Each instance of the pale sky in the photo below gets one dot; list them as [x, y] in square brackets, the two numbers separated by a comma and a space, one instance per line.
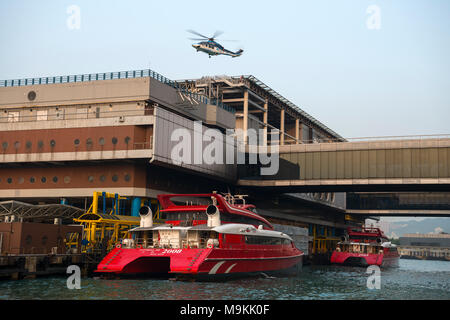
[362, 73]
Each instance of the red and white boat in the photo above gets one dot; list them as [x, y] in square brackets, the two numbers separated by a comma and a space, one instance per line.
[214, 239]
[368, 246]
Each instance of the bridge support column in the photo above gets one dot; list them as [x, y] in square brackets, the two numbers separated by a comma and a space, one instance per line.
[265, 115]
[245, 124]
[282, 127]
[300, 132]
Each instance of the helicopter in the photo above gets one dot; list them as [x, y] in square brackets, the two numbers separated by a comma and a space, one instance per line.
[211, 47]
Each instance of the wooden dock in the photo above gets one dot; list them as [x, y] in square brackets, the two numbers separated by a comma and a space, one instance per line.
[20, 266]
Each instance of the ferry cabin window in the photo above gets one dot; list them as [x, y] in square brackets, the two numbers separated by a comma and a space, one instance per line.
[363, 238]
[261, 240]
[230, 218]
[182, 216]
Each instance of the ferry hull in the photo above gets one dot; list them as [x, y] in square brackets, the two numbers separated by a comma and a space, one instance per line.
[364, 259]
[211, 263]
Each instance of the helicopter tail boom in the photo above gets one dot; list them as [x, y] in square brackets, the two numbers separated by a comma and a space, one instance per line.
[237, 53]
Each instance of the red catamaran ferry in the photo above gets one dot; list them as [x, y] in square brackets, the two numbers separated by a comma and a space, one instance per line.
[368, 246]
[214, 239]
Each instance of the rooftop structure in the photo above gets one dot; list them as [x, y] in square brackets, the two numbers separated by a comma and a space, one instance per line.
[260, 107]
[69, 136]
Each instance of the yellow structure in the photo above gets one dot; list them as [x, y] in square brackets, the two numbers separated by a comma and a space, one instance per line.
[102, 231]
[323, 243]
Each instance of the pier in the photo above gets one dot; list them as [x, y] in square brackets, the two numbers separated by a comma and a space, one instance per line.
[62, 138]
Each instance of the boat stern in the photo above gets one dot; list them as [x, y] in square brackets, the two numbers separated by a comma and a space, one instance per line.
[151, 261]
[356, 259]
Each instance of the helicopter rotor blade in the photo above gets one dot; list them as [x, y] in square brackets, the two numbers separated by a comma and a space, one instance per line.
[216, 34]
[198, 34]
[197, 39]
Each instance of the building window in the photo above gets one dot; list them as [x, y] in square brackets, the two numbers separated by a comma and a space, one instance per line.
[43, 179]
[31, 95]
[55, 179]
[82, 113]
[76, 142]
[13, 116]
[9, 180]
[102, 178]
[115, 178]
[91, 178]
[66, 179]
[42, 115]
[32, 179]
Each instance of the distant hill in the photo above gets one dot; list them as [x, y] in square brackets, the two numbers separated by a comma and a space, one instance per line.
[424, 226]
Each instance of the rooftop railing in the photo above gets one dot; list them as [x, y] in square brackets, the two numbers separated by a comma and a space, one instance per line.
[113, 76]
[406, 137]
[439, 137]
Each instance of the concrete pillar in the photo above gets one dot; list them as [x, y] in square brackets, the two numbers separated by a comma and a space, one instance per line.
[265, 116]
[282, 127]
[297, 125]
[245, 124]
[300, 132]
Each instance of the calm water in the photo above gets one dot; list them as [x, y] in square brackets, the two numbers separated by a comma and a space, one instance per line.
[414, 279]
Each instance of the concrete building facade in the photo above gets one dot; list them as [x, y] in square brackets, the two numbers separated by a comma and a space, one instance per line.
[69, 136]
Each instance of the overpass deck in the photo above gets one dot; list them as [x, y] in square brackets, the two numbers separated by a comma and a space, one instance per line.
[408, 163]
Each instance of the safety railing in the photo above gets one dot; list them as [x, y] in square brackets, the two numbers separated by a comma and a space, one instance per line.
[407, 137]
[149, 243]
[60, 114]
[86, 77]
[113, 76]
[374, 139]
[143, 145]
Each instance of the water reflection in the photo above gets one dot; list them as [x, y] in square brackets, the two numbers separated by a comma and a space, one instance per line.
[412, 280]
